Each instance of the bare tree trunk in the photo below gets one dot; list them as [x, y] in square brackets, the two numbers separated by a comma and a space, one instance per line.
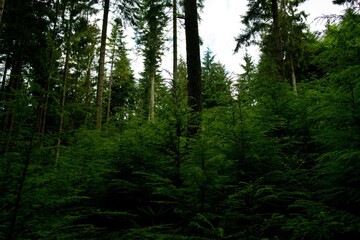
[100, 83]
[278, 39]
[193, 66]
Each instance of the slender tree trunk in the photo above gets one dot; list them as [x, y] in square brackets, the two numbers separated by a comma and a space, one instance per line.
[278, 39]
[193, 66]
[100, 83]
[2, 5]
[64, 87]
[175, 91]
[175, 60]
[293, 77]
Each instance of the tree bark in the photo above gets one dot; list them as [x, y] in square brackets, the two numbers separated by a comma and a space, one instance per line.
[193, 66]
[100, 83]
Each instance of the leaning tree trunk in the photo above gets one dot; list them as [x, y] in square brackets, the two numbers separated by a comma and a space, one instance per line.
[193, 66]
[100, 83]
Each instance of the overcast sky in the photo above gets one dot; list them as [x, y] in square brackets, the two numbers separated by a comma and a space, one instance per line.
[221, 23]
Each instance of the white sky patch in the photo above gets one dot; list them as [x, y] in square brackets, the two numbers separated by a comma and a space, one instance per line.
[220, 24]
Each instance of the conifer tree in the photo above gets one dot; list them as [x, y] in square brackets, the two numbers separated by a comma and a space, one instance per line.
[126, 8]
[151, 36]
[284, 17]
[121, 98]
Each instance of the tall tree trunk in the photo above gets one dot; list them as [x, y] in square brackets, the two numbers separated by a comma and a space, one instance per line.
[193, 66]
[2, 5]
[175, 91]
[64, 87]
[279, 52]
[100, 83]
[194, 81]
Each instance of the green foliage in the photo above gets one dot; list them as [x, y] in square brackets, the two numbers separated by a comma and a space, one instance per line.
[267, 164]
[315, 220]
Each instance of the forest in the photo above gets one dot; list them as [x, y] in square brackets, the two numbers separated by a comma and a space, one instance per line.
[90, 150]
